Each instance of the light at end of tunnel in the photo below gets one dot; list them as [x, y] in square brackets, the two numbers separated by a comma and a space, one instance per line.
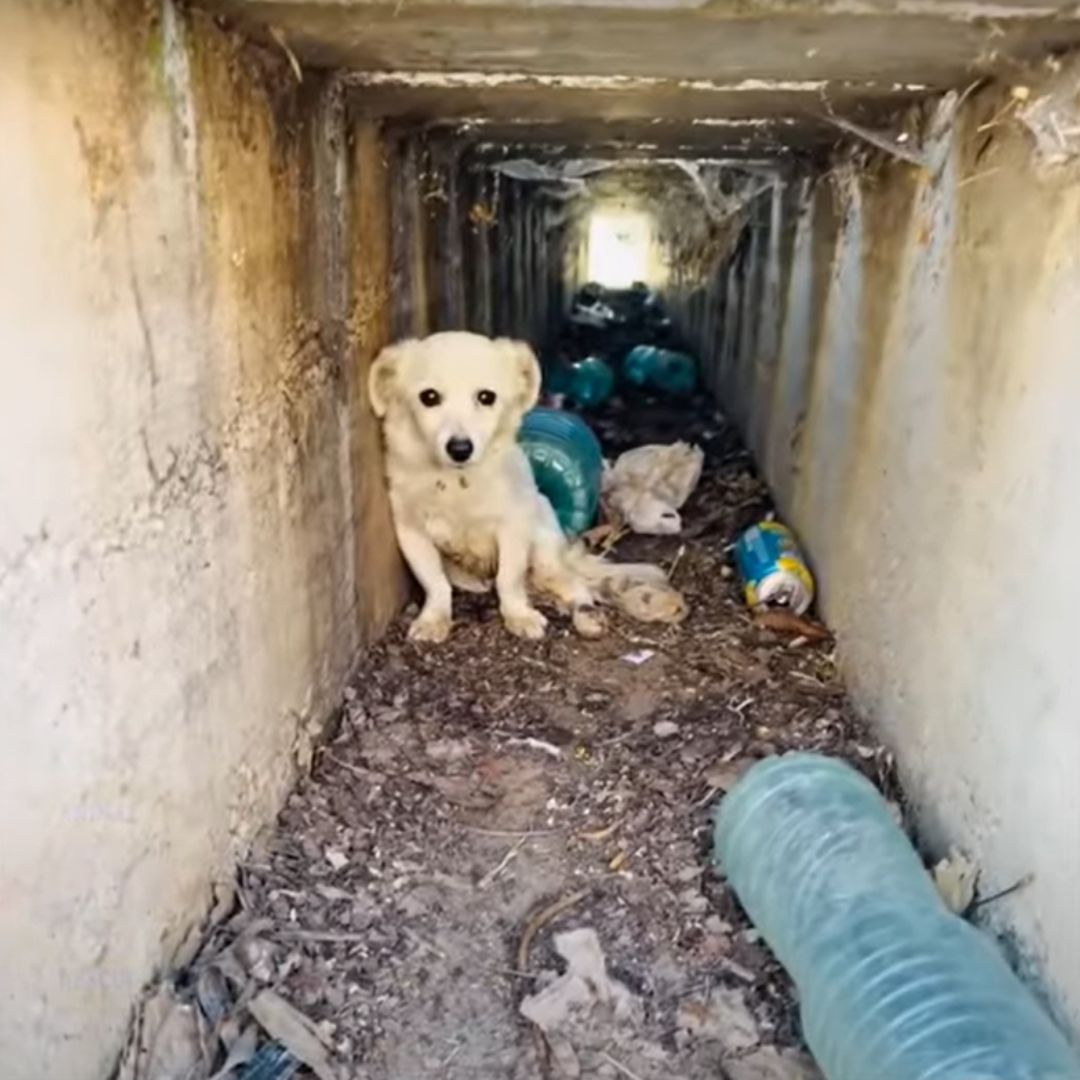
[620, 248]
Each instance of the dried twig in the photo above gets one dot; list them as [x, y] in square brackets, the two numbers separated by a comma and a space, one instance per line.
[612, 539]
[675, 562]
[536, 744]
[535, 924]
[1016, 886]
[511, 834]
[977, 176]
[898, 150]
[330, 936]
[538, 921]
[279, 36]
[619, 1066]
[503, 863]
[360, 774]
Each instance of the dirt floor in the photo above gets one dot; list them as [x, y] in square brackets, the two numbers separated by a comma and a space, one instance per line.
[481, 799]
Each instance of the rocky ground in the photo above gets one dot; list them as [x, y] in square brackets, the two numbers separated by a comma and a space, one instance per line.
[499, 865]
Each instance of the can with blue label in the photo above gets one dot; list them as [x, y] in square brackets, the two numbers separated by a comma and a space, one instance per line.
[772, 568]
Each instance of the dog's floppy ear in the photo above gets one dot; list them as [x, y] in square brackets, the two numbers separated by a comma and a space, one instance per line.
[528, 368]
[381, 377]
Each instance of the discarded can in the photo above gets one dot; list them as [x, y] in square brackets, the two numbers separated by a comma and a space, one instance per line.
[272, 1062]
[567, 464]
[772, 568]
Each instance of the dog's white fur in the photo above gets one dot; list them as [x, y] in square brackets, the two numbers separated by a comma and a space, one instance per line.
[468, 523]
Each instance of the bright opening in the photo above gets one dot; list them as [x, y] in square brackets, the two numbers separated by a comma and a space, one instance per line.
[619, 248]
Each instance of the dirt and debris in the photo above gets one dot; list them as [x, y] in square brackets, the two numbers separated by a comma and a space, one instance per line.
[497, 824]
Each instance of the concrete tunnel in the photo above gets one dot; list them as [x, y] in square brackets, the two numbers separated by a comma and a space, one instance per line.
[865, 219]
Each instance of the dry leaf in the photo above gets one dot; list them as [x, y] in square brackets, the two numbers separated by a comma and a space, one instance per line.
[600, 834]
[787, 622]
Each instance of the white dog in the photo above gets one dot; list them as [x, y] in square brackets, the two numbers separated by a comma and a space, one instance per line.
[466, 508]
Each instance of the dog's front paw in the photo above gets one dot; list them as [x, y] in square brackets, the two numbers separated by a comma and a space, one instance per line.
[430, 626]
[526, 624]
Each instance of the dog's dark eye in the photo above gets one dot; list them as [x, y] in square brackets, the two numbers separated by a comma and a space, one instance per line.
[430, 398]
[486, 397]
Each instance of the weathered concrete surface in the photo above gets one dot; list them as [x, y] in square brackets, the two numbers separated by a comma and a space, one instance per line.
[784, 115]
[917, 420]
[937, 43]
[179, 572]
[382, 576]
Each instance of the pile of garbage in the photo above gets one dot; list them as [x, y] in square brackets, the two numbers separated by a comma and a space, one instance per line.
[615, 345]
[636, 311]
[615, 340]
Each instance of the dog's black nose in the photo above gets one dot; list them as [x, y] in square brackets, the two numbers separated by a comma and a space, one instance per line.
[460, 450]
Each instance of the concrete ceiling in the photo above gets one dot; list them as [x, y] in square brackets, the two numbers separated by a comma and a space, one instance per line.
[738, 74]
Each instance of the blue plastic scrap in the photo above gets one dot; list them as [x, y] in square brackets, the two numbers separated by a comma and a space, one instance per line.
[272, 1062]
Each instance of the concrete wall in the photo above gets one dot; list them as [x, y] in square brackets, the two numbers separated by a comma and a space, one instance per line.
[493, 251]
[185, 459]
[916, 416]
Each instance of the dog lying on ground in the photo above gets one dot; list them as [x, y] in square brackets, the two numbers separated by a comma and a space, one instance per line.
[466, 508]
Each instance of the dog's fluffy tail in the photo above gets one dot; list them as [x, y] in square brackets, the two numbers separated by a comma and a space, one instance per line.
[640, 589]
[603, 575]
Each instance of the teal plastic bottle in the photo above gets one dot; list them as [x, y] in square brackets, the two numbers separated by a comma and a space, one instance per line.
[588, 383]
[892, 985]
[567, 463]
[665, 370]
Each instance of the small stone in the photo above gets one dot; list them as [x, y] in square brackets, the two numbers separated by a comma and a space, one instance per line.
[448, 750]
[715, 925]
[338, 860]
[665, 729]
[693, 902]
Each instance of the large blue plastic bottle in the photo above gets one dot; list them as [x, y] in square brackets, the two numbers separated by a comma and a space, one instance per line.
[892, 985]
[567, 463]
[587, 383]
[666, 370]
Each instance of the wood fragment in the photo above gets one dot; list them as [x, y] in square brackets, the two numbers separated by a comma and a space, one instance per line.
[294, 1031]
[1016, 886]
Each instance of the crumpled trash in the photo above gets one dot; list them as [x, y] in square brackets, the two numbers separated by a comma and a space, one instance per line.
[598, 315]
[956, 878]
[578, 1010]
[647, 485]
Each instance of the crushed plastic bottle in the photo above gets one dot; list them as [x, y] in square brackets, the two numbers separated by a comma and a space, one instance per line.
[892, 985]
[665, 370]
[773, 569]
[567, 463]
